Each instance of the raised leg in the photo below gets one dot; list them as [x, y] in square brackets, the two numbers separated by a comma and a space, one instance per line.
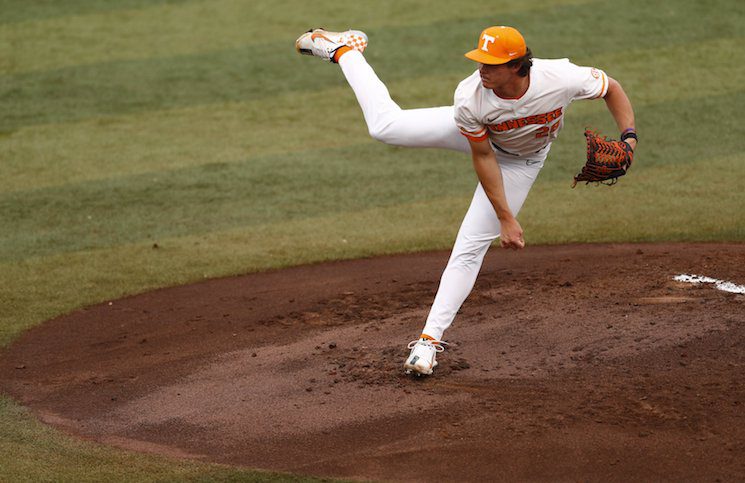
[387, 122]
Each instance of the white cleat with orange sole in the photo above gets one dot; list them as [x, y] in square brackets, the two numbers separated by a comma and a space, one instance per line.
[422, 360]
[323, 43]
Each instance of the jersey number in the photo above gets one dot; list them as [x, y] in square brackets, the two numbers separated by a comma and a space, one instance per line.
[543, 131]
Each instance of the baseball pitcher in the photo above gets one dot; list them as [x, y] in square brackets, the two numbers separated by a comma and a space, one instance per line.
[505, 115]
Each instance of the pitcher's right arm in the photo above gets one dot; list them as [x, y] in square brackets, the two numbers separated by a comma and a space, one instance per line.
[490, 175]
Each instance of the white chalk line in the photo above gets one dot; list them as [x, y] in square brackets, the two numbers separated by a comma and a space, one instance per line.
[719, 284]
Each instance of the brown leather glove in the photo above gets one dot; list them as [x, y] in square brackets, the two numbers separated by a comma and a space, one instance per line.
[607, 160]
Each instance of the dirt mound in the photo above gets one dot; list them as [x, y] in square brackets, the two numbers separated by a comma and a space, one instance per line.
[571, 362]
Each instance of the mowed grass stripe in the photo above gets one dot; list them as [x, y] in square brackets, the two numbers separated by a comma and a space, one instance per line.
[221, 195]
[172, 140]
[261, 190]
[187, 28]
[16, 11]
[43, 286]
[157, 141]
[263, 70]
[653, 75]
[675, 202]
[230, 132]
[689, 131]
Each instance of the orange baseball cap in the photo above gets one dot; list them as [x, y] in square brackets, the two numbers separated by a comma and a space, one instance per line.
[498, 45]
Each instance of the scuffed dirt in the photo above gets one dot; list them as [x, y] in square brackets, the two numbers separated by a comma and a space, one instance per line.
[579, 362]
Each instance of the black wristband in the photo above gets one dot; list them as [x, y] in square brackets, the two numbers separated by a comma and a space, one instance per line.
[629, 135]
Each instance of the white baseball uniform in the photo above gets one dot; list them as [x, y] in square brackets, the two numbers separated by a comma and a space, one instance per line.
[519, 130]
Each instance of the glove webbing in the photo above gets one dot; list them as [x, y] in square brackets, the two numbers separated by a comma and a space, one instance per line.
[607, 151]
[607, 160]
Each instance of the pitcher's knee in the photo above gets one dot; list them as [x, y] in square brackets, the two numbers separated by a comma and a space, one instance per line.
[468, 260]
[384, 126]
[380, 133]
[469, 256]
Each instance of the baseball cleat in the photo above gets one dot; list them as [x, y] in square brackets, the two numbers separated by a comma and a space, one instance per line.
[422, 361]
[323, 44]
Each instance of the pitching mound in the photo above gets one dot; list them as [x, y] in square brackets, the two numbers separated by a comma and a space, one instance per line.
[573, 362]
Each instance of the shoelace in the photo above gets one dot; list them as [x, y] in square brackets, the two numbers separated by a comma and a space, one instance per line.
[437, 344]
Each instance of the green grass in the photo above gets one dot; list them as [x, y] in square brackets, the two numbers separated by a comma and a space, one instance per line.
[194, 125]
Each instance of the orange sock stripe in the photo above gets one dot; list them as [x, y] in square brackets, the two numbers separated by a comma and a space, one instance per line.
[426, 337]
[340, 51]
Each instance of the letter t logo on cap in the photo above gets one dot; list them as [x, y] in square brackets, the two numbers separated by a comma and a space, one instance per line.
[487, 38]
[498, 45]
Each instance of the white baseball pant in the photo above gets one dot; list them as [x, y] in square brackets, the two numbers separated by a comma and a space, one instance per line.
[435, 128]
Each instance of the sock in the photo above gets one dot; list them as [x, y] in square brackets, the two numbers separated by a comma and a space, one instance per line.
[339, 52]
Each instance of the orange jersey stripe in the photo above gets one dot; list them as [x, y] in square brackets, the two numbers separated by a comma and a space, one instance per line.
[603, 92]
[479, 136]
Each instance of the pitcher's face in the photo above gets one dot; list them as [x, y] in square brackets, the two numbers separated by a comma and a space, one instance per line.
[496, 76]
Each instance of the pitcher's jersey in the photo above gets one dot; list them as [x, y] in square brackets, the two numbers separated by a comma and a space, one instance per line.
[526, 125]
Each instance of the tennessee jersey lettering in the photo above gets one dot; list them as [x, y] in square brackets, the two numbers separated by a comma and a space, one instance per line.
[529, 124]
[544, 118]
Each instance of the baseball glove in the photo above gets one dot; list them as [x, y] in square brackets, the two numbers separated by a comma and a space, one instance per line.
[607, 160]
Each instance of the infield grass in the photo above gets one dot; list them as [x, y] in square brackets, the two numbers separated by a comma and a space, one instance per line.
[193, 126]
